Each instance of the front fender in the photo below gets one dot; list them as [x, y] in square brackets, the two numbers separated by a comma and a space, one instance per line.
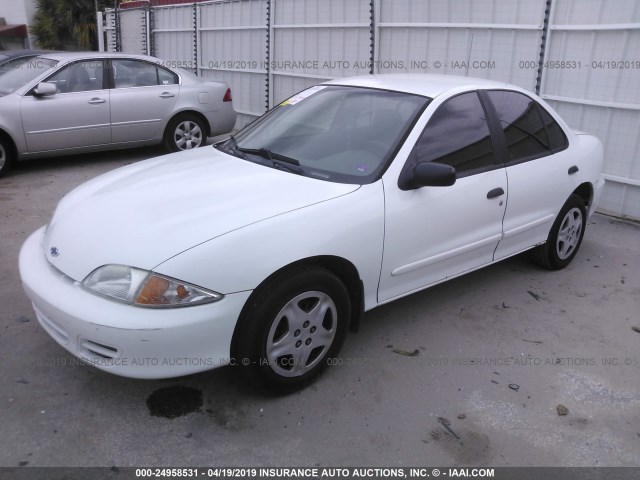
[350, 226]
[11, 122]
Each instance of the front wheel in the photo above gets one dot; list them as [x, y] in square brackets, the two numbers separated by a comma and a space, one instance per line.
[292, 328]
[184, 132]
[6, 157]
[565, 236]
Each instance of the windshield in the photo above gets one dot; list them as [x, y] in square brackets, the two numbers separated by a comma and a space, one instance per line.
[336, 133]
[15, 74]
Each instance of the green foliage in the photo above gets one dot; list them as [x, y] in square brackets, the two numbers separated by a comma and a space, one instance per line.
[63, 24]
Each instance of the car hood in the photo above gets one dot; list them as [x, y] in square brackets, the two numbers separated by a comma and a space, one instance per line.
[148, 212]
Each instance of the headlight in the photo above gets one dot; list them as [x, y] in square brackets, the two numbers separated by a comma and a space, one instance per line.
[145, 289]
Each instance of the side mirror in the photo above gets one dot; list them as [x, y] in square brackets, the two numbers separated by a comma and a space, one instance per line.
[427, 174]
[45, 89]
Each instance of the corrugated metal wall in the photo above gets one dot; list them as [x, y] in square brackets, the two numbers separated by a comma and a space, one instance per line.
[486, 38]
[232, 46]
[173, 37]
[583, 56]
[599, 91]
[110, 31]
[132, 29]
[316, 40]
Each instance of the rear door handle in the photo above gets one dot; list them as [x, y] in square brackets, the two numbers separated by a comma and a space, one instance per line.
[96, 101]
[573, 170]
[166, 95]
[496, 192]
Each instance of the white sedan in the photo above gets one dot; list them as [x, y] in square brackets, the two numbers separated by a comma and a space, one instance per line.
[265, 250]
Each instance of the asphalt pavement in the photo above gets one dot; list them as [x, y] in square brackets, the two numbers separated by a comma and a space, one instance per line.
[508, 366]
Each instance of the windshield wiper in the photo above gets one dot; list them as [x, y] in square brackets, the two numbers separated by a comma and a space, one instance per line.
[278, 160]
[231, 146]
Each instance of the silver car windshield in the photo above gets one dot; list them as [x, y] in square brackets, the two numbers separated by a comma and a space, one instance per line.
[336, 133]
[16, 73]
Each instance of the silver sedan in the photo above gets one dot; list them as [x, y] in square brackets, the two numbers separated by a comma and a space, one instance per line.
[66, 103]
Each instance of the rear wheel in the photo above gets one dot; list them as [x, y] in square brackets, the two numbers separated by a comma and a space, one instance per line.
[6, 157]
[184, 132]
[565, 236]
[292, 328]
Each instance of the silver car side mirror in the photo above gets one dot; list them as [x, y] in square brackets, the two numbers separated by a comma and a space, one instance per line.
[45, 89]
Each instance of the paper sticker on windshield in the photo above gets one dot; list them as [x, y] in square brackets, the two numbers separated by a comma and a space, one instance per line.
[302, 95]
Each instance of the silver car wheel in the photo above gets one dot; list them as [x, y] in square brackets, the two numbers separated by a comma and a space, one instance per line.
[569, 233]
[187, 135]
[301, 334]
[3, 156]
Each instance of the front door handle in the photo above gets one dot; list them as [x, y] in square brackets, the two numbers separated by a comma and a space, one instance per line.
[166, 95]
[96, 101]
[496, 192]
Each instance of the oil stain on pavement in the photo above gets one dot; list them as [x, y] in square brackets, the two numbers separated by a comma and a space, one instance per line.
[173, 402]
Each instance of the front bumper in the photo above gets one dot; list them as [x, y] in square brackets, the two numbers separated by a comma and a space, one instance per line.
[122, 339]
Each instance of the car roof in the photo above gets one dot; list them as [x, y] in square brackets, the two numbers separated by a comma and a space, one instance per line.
[425, 84]
[10, 54]
[70, 56]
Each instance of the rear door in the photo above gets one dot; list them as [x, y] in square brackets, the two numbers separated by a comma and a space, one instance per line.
[142, 99]
[539, 168]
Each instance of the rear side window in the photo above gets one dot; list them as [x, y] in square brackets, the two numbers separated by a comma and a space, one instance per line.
[530, 132]
[166, 77]
[458, 135]
[557, 139]
[137, 73]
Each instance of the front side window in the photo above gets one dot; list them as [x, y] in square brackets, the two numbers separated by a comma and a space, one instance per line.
[530, 132]
[23, 71]
[335, 133]
[135, 73]
[79, 77]
[458, 135]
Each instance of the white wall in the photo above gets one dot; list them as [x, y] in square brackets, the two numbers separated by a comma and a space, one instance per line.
[17, 12]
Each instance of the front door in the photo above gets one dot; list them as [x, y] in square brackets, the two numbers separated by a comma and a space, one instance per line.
[77, 116]
[432, 233]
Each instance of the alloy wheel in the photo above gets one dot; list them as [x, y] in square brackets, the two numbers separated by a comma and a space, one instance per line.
[569, 233]
[301, 334]
[187, 135]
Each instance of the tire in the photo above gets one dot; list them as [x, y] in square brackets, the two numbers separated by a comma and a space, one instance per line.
[292, 328]
[184, 132]
[565, 236]
[6, 157]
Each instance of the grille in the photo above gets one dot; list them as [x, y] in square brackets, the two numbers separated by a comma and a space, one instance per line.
[97, 350]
